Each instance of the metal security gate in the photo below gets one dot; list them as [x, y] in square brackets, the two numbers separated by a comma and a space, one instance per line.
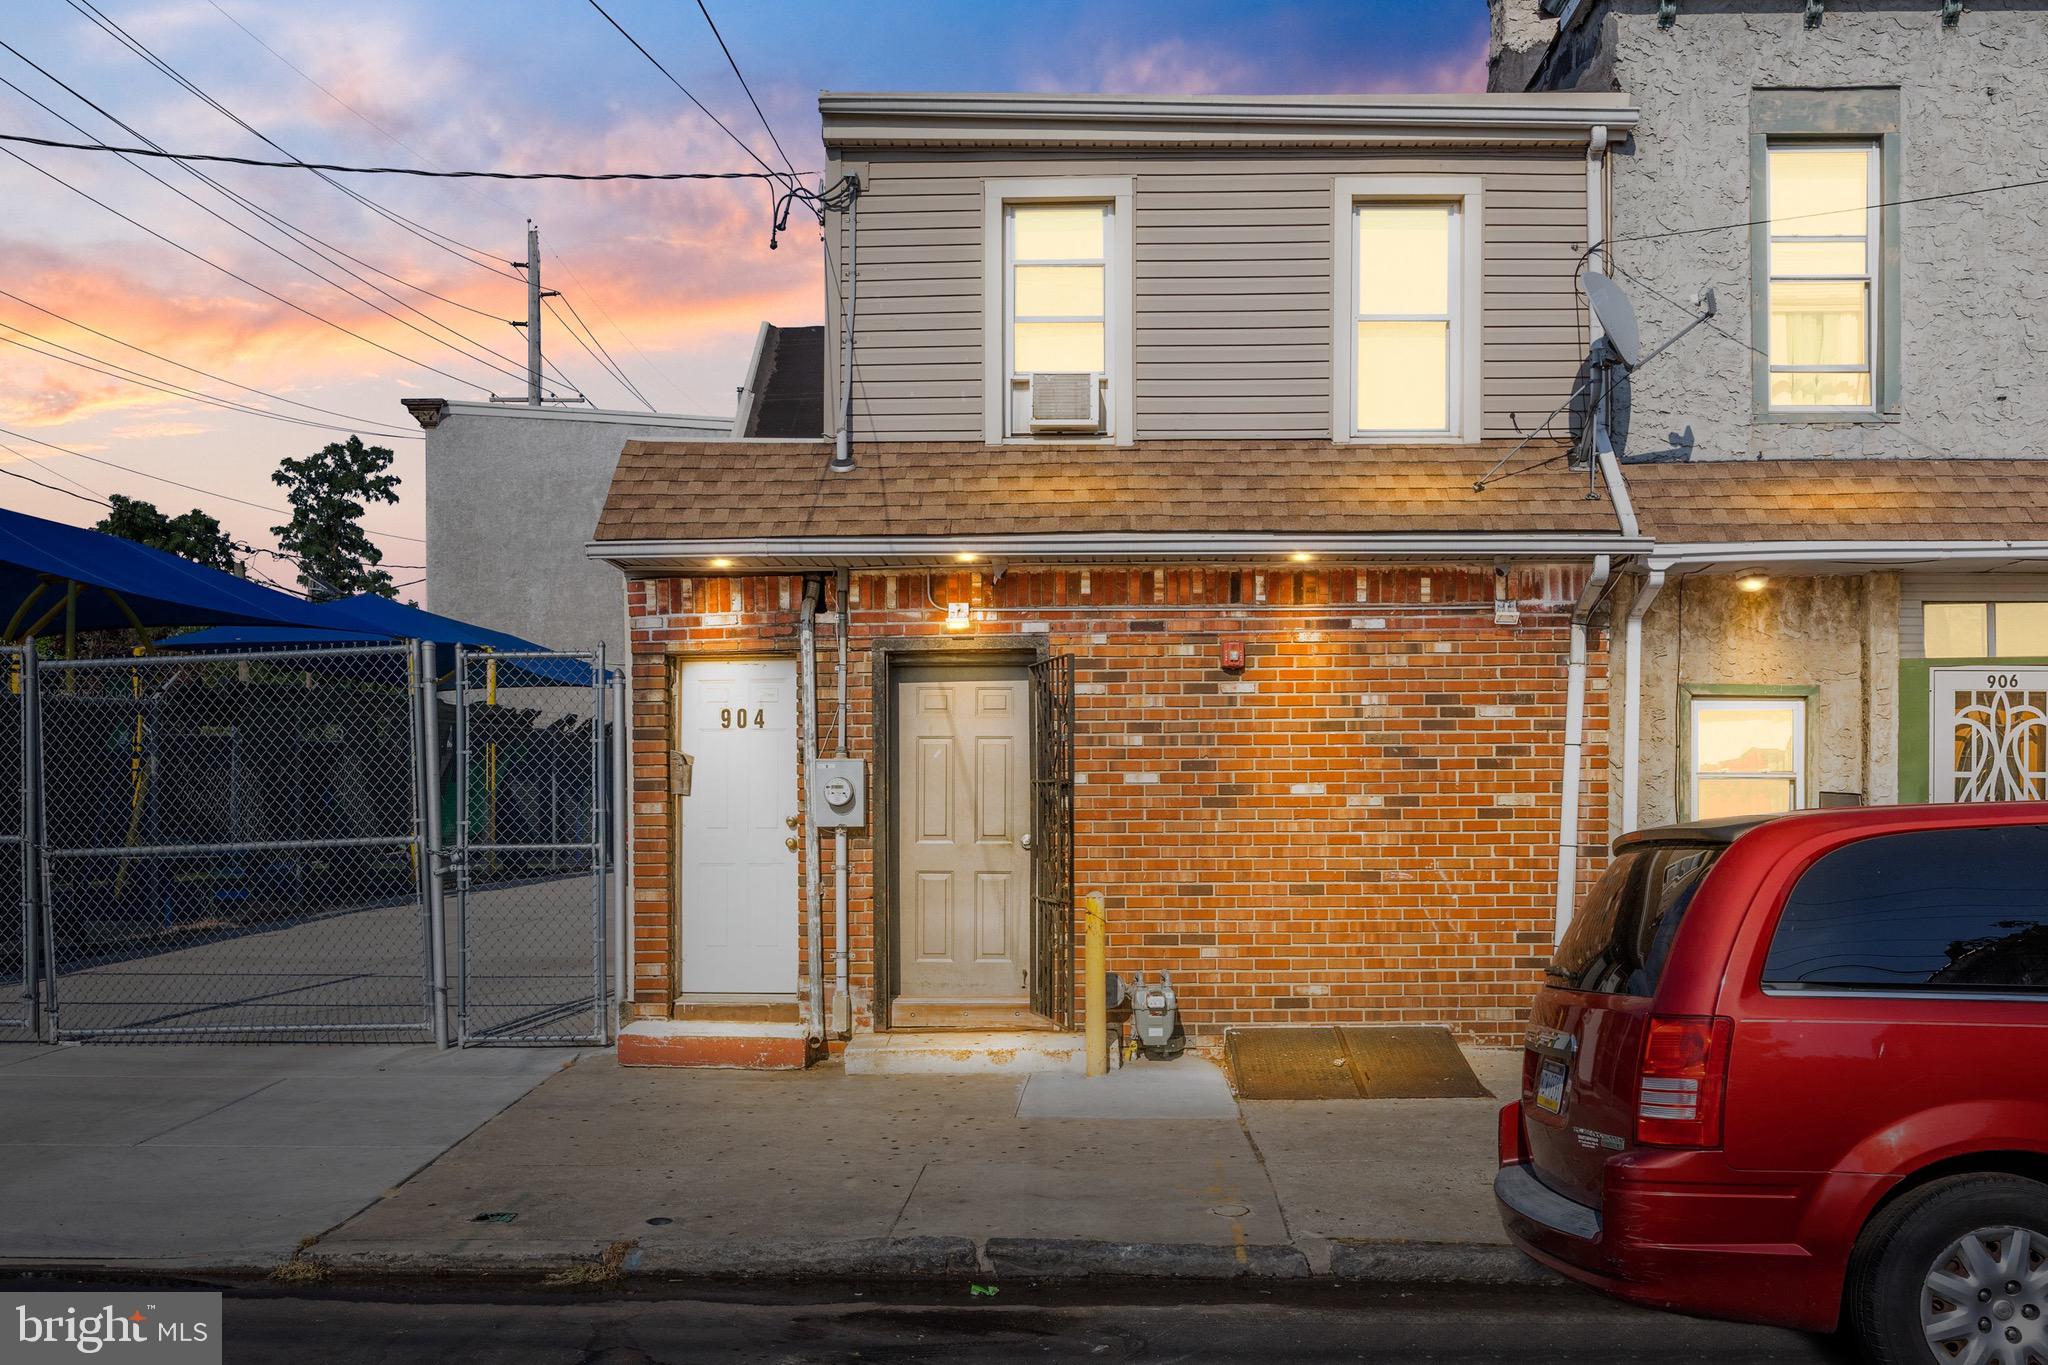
[232, 846]
[1052, 844]
[1989, 735]
[529, 847]
[17, 847]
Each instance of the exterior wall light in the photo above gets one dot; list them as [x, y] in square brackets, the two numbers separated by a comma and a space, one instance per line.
[1752, 581]
[958, 616]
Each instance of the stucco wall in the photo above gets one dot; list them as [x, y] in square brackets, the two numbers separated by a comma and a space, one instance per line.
[512, 498]
[1838, 633]
[1975, 290]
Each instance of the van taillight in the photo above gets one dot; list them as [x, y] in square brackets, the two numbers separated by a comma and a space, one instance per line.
[1681, 1082]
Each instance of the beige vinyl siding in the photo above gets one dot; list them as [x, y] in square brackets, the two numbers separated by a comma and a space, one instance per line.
[1917, 589]
[1231, 284]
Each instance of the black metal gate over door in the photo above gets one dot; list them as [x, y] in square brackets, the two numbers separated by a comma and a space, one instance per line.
[1052, 838]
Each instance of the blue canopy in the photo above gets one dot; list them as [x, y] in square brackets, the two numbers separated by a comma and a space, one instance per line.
[369, 619]
[116, 584]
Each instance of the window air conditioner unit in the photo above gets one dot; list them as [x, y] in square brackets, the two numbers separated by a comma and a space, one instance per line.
[1066, 401]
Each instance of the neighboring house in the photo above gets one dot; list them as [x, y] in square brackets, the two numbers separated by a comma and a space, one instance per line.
[512, 495]
[1858, 611]
[1160, 571]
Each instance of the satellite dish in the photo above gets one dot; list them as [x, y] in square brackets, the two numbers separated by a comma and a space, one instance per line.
[1616, 315]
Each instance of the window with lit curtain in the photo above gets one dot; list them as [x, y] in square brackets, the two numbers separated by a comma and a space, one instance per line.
[1748, 756]
[1404, 378]
[1058, 256]
[1823, 259]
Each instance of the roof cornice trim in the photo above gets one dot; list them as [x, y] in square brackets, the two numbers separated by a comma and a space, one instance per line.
[1875, 553]
[855, 119]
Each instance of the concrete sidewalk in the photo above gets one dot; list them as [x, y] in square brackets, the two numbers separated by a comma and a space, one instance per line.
[1154, 1171]
[223, 1157]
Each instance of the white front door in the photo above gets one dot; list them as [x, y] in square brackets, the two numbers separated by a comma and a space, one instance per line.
[1988, 728]
[736, 719]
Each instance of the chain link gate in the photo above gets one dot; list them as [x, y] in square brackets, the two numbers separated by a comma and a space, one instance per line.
[18, 924]
[530, 844]
[232, 848]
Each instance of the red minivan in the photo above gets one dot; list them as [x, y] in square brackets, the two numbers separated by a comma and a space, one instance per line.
[1795, 1071]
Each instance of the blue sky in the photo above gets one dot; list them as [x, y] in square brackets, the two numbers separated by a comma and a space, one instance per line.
[672, 278]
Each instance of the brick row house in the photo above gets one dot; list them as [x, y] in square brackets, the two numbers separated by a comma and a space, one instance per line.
[1210, 527]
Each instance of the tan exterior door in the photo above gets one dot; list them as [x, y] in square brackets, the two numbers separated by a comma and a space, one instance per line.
[963, 827]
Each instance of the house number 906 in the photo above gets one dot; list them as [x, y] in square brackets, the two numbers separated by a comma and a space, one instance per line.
[730, 718]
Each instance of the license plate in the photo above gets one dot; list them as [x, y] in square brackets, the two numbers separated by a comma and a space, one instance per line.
[1550, 1087]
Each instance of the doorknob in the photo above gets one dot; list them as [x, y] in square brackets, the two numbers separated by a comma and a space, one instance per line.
[790, 843]
[792, 821]
[1025, 842]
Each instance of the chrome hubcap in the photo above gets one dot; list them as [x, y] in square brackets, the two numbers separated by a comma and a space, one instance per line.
[1985, 1301]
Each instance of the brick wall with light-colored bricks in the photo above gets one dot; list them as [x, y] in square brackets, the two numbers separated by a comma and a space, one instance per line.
[1361, 826]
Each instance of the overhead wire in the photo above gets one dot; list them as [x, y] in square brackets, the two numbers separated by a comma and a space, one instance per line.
[363, 423]
[299, 237]
[730, 61]
[188, 487]
[609, 367]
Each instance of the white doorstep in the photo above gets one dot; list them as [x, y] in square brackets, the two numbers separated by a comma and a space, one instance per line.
[965, 1053]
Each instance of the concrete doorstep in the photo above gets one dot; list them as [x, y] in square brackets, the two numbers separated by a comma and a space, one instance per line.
[606, 1173]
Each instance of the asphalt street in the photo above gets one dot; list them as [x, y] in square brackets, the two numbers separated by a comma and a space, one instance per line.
[1018, 1323]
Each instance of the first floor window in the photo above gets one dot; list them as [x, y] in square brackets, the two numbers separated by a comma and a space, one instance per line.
[1748, 756]
[1405, 325]
[1821, 200]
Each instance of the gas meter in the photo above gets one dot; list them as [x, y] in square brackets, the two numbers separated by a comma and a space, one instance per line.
[1155, 1017]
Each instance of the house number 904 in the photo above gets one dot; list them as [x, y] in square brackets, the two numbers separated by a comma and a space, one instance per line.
[730, 718]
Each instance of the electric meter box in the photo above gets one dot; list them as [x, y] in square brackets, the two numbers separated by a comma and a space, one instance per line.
[839, 793]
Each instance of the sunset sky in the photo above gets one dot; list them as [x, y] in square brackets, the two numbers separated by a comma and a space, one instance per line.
[672, 277]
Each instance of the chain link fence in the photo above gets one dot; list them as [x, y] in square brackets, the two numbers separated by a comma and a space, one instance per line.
[17, 864]
[233, 848]
[531, 826]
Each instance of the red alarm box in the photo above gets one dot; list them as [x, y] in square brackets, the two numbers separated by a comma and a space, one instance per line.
[1233, 654]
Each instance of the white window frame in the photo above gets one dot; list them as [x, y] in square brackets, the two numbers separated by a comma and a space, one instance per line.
[1119, 408]
[1802, 709]
[1989, 606]
[1871, 277]
[1468, 251]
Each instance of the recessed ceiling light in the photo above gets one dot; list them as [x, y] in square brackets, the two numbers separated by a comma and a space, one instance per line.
[967, 556]
[1752, 581]
[1302, 557]
[721, 563]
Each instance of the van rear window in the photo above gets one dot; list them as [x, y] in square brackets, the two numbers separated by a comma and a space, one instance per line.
[1621, 937]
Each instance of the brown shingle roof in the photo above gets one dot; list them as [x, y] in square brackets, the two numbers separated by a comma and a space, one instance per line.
[1719, 501]
[723, 490]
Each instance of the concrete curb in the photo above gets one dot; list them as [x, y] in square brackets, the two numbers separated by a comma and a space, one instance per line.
[909, 1260]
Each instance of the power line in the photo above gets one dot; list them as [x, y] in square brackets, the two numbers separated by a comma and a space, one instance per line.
[62, 145]
[241, 279]
[298, 236]
[766, 126]
[188, 487]
[489, 258]
[609, 367]
[1827, 213]
[598, 303]
[773, 174]
[141, 380]
[364, 423]
[142, 50]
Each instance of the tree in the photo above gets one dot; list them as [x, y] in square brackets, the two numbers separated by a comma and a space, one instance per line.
[328, 491]
[193, 534]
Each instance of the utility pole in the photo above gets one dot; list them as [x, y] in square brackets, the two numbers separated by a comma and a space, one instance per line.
[534, 294]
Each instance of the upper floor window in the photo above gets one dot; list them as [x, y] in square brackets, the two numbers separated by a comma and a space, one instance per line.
[1058, 310]
[1406, 340]
[1822, 206]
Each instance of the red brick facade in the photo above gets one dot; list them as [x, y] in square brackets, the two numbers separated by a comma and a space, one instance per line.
[1360, 826]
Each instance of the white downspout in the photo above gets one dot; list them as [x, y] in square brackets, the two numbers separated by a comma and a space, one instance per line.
[1574, 744]
[1632, 701]
[842, 952]
[814, 910]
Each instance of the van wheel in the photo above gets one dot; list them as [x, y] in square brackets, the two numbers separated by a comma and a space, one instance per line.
[1955, 1273]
